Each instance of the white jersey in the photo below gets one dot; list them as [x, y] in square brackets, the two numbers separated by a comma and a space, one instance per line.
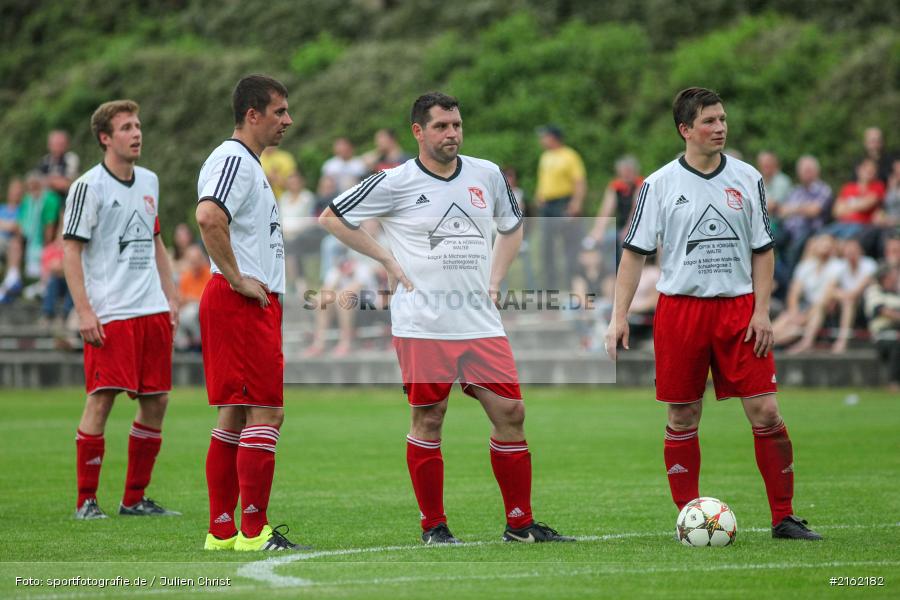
[439, 230]
[233, 178]
[117, 221]
[706, 224]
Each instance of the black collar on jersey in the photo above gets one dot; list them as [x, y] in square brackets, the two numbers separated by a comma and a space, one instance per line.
[113, 175]
[252, 153]
[436, 176]
[718, 170]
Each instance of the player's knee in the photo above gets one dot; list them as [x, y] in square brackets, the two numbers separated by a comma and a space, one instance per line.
[99, 405]
[514, 414]
[685, 416]
[766, 415]
[429, 419]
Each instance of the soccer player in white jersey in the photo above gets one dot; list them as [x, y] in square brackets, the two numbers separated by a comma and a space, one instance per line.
[119, 274]
[240, 319]
[707, 212]
[436, 211]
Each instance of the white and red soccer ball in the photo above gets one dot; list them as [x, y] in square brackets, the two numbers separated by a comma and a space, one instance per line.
[706, 522]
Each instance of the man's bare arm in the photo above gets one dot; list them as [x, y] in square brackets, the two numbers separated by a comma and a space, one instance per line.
[216, 237]
[88, 324]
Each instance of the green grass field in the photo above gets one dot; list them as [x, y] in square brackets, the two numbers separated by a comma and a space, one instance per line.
[342, 486]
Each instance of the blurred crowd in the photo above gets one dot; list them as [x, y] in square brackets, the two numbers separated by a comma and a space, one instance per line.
[837, 254]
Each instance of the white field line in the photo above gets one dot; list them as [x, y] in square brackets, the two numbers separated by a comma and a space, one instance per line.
[264, 570]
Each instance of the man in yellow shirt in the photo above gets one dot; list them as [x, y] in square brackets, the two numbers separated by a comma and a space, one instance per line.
[561, 188]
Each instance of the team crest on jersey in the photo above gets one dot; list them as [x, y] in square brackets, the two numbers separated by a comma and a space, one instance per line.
[734, 198]
[476, 195]
[454, 224]
[710, 227]
[150, 205]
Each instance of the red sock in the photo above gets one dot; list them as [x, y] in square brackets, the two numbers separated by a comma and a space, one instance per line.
[222, 482]
[89, 457]
[511, 462]
[775, 459]
[426, 469]
[143, 446]
[681, 452]
[255, 470]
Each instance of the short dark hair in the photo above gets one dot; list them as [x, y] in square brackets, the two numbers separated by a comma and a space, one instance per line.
[688, 104]
[422, 106]
[254, 91]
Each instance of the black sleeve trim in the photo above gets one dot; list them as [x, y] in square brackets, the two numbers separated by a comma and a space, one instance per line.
[512, 229]
[763, 249]
[637, 250]
[340, 216]
[77, 238]
[218, 203]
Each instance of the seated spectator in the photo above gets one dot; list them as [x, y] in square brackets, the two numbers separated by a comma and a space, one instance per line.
[296, 206]
[387, 153]
[778, 185]
[643, 307]
[55, 287]
[806, 208]
[342, 285]
[857, 203]
[809, 285]
[883, 311]
[193, 280]
[592, 285]
[38, 217]
[11, 241]
[891, 252]
[854, 274]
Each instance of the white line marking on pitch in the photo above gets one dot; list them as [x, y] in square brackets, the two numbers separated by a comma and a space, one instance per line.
[264, 570]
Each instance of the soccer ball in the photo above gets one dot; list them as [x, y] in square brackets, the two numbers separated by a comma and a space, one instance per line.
[706, 522]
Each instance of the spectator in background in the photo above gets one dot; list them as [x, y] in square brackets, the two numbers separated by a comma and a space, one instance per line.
[60, 166]
[38, 218]
[345, 169]
[618, 203]
[182, 239]
[883, 311]
[296, 206]
[873, 149]
[11, 241]
[844, 292]
[512, 178]
[809, 286]
[55, 288]
[888, 217]
[592, 284]
[857, 203]
[352, 274]
[778, 185]
[330, 247]
[387, 153]
[643, 307]
[193, 279]
[278, 165]
[806, 208]
[891, 254]
[560, 194]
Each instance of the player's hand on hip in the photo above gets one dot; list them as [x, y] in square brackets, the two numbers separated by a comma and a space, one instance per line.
[396, 275]
[616, 332]
[760, 328]
[91, 328]
[247, 286]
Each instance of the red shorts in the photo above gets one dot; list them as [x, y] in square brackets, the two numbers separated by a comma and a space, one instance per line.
[241, 342]
[136, 357]
[693, 335]
[429, 368]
